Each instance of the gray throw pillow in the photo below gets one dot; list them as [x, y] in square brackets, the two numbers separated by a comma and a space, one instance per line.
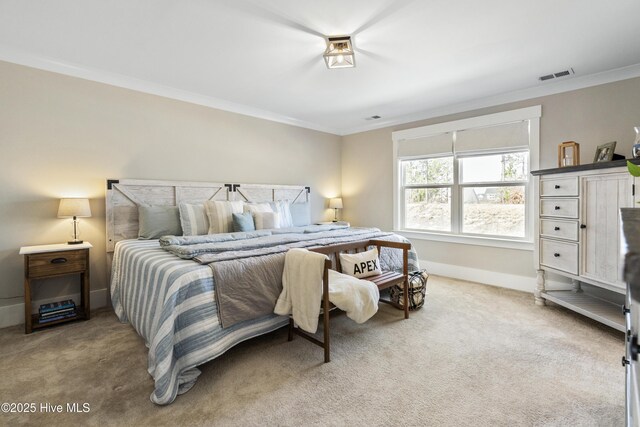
[243, 222]
[157, 221]
[300, 214]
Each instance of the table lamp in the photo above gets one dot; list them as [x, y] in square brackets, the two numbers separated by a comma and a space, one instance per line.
[335, 204]
[74, 208]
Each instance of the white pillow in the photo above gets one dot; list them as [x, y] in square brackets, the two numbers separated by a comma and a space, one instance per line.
[220, 215]
[257, 207]
[363, 264]
[193, 219]
[266, 220]
[282, 208]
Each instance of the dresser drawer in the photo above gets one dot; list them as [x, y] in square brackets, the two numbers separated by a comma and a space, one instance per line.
[559, 229]
[54, 263]
[559, 208]
[559, 255]
[559, 187]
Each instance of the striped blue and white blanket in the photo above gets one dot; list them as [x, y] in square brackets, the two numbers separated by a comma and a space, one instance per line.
[171, 302]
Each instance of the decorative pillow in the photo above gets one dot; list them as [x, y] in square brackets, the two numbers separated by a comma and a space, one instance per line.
[220, 214]
[300, 214]
[193, 219]
[257, 207]
[266, 220]
[363, 264]
[157, 221]
[243, 222]
[282, 208]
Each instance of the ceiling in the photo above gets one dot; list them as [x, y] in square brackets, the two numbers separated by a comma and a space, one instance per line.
[415, 59]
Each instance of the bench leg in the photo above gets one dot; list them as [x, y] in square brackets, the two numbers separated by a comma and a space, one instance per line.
[290, 338]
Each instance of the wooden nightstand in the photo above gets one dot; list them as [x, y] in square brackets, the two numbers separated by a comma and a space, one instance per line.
[46, 261]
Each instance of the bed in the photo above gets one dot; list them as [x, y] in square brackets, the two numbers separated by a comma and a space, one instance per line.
[174, 303]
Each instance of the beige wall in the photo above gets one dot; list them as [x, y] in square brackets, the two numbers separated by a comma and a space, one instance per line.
[63, 136]
[589, 116]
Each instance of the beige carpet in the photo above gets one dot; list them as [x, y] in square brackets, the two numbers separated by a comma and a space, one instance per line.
[474, 355]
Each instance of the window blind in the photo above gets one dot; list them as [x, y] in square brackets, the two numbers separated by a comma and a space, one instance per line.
[434, 145]
[509, 136]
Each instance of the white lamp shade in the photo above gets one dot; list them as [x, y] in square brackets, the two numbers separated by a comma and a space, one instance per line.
[74, 207]
[335, 203]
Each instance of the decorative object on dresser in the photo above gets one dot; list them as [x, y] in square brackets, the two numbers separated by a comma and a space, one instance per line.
[635, 151]
[47, 261]
[568, 154]
[74, 208]
[578, 237]
[335, 204]
[604, 152]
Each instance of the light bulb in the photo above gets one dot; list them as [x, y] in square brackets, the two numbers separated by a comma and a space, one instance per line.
[340, 59]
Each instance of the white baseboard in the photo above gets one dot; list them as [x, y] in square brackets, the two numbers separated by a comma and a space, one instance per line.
[11, 315]
[487, 277]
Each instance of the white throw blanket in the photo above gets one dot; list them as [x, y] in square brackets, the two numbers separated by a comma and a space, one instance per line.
[357, 297]
[302, 291]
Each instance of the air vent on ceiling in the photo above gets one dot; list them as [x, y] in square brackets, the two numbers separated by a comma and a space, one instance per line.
[376, 117]
[557, 75]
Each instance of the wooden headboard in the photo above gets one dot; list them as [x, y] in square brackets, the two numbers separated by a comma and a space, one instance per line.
[125, 195]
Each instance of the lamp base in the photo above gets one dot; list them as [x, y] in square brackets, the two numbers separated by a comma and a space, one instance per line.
[74, 242]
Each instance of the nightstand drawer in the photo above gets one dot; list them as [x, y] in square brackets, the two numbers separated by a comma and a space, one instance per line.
[559, 255]
[54, 263]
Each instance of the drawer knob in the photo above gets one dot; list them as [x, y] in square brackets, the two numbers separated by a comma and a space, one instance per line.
[58, 261]
[557, 187]
[557, 208]
[583, 225]
[557, 255]
[556, 228]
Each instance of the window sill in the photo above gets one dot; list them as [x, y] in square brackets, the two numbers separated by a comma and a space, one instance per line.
[467, 240]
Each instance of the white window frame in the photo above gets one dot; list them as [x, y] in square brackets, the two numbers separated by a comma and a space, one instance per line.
[532, 114]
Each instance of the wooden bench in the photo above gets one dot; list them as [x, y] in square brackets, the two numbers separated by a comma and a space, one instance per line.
[382, 281]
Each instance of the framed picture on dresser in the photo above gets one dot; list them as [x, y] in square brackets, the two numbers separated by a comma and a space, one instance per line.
[604, 152]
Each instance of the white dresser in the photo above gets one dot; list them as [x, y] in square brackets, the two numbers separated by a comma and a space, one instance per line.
[579, 237]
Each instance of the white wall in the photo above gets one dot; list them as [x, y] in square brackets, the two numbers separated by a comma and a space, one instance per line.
[63, 136]
[590, 116]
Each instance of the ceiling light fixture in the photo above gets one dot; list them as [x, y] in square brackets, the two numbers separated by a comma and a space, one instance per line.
[339, 52]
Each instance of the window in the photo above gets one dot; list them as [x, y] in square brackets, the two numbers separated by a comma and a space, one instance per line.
[468, 179]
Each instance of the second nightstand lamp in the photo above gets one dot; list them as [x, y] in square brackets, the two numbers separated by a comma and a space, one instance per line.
[74, 208]
[335, 204]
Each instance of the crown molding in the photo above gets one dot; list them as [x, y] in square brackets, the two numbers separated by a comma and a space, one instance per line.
[42, 62]
[114, 79]
[547, 89]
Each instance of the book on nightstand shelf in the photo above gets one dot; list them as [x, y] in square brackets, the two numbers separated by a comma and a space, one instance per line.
[56, 311]
[56, 306]
[57, 317]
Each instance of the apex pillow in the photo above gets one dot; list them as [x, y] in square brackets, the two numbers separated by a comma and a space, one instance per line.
[300, 214]
[193, 219]
[266, 220]
[157, 221]
[220, 214]
[361, 265]
[243, 222]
